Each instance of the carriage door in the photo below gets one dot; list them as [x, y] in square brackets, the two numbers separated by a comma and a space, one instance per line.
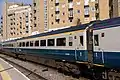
[89, 40]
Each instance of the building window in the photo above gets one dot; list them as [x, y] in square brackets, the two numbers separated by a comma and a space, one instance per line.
[57, 20]
[43, 43]
[52, 23]
[27, 31]
[61, 41]
[11, 23]
[26, 16]
[69, 1]
[34, 18]
[81, 40]
[97, 16]
[71, 13]
[26, 21]
[52, 15]
[70, 20]
[86, 11]
[51, 42]
[96, 40]
[34, 4]
[35, 25]
[11, 28]
[78, 11]
[63, 13]
[34, 11]
[63, 21]
[26, 26]
[11, 33]
[20, 32]
[37, 43]
[20, 27]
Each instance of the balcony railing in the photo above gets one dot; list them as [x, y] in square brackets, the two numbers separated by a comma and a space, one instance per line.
[57, 12]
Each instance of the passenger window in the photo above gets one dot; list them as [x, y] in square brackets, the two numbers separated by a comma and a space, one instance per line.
[31, 43]
[81, 40]
[23, 44]
[43, 43]
[51, 42]
[20, 44]
[27, 44]
[36, 43]
[61, 42]
[70, 41]
[96, 40]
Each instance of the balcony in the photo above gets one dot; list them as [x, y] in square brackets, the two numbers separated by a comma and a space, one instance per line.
[97, 11]
[69, 1]
[56, 2]
[57, 12]
[97, 16]
[70, 5]
[86, 15]
[96, 6]
[96, 1]
[70, 9]
[70, 17]
[57, 20]
[57, 8]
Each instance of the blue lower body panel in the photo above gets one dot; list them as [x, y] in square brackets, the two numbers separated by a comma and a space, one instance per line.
[68, 55]
[108, 59]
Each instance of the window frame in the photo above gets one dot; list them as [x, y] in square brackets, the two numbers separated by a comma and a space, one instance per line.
[97, 42]
[38, 43]
[50, 44]
[60, 42]
[41, 44]
[81, 40]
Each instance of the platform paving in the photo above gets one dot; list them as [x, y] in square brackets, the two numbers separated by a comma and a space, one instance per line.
[8, 72]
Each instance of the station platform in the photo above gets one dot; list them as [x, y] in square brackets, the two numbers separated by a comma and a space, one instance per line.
[8, 72]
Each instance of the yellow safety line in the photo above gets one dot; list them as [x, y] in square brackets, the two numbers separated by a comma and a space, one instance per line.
[99, 65]
[82, 62]
[87, 63]
[4, 74]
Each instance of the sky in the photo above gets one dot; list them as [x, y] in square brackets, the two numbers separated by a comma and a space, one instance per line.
[24, 1]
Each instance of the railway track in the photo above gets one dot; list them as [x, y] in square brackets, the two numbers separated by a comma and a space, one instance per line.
[29, 73]
[37, 72]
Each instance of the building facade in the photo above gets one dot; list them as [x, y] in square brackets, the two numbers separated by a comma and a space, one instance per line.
[114, 8]
[16, 21]
[37, 16]
[56, 14]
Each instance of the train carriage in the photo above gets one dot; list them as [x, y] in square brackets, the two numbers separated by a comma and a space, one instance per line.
[95, 44]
